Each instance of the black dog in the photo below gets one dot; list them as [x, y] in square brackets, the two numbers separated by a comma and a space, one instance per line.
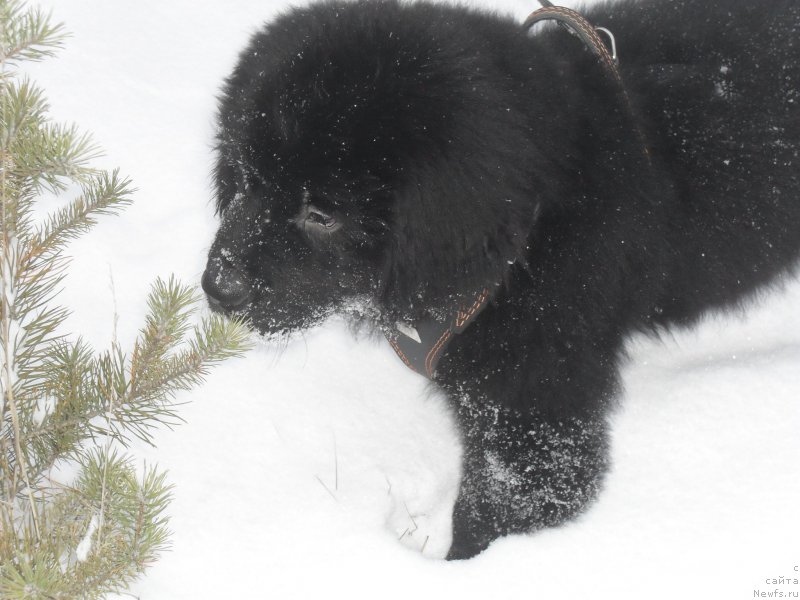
[496, 189]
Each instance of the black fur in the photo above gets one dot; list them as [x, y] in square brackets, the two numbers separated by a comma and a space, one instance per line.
[407, 155]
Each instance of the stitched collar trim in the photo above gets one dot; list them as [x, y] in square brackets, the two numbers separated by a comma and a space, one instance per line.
[421, 352]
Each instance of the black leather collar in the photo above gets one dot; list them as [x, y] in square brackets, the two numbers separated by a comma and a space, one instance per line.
[422, 345]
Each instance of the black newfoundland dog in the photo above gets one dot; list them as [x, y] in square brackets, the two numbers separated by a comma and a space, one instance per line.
[494, 202]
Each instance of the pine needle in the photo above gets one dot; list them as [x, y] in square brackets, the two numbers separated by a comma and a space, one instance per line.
[327, 489]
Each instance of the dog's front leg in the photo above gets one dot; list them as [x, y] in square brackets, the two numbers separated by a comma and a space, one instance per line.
[522, 471]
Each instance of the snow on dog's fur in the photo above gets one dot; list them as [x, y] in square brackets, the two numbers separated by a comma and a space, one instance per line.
[409, 155]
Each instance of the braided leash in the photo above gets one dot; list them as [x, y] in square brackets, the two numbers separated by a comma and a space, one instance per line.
[577, 24]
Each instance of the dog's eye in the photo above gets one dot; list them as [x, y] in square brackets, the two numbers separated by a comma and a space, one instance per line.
[323, 220]
[318, 220]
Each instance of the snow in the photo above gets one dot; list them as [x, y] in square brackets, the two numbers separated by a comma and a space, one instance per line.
[14, 331]
[85, 545]
[299, 467]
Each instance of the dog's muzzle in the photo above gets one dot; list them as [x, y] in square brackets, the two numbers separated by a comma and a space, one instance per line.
[226, 286]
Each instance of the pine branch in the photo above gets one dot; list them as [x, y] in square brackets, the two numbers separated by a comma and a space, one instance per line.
[111, 525]
[27, 35]
[69, 405]
[59, 400]
[33, 348]
[214, 341]
[18, 196]
[21, 115]
[22, 110]
[152, 399]
[35, 278]
[108, 194]
[30, 321]
[165, 325]
[54, 152]
[140, 399]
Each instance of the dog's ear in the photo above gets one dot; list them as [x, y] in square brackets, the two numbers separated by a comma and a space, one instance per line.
[457, 229]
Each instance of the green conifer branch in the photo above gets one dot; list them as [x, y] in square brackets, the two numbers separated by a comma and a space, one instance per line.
[111, 526]
[55, 152]
[143, 398]
[59, 400]
[166, 323]
[27, 34]
[21, 111]
[37, 278]
[107, 194]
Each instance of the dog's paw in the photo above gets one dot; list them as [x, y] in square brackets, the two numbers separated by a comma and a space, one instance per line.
[467, 544]
[473, 530]
[421, 515]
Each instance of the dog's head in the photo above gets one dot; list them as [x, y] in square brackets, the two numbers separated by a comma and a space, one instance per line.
[369, 150]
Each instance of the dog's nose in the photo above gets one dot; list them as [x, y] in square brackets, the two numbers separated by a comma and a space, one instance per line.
[225, 285]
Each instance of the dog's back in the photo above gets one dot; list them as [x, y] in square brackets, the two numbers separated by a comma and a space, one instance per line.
[718, 85]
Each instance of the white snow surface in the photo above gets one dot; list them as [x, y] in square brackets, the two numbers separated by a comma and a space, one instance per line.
[298, 468]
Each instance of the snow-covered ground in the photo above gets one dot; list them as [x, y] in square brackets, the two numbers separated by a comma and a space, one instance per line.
[297, 470]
